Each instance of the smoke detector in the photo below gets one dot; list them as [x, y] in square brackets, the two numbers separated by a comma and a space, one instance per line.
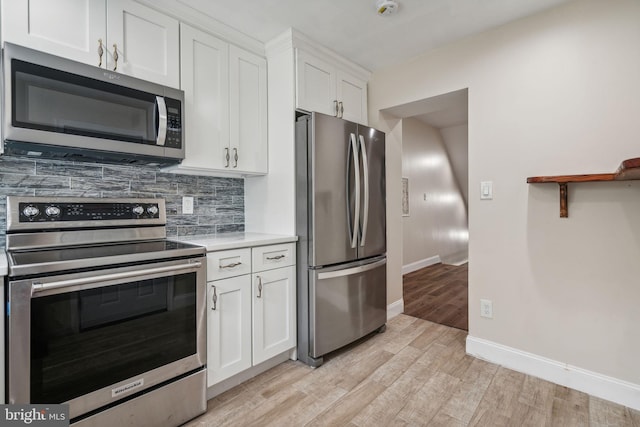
[386, 7]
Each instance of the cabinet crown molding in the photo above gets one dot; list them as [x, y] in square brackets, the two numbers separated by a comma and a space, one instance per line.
[293, 38]
[206, 23]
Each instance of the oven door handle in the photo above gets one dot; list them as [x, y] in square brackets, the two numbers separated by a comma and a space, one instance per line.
[42, 287]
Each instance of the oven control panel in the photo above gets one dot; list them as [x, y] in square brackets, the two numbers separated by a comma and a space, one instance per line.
[65, 211]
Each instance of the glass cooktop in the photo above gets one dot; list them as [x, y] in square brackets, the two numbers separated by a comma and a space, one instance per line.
[33, 262]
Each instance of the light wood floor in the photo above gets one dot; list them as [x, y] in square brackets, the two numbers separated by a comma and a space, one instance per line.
[438, 293]
[416, 373]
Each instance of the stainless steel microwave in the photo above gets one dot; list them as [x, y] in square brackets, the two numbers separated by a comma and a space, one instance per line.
[58, 108]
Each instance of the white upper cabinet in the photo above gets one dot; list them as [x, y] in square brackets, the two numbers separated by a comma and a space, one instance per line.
[204, 80]
[352, 96]
[327, 88]
[248, 111]
[146, 41]
[67, 28]
[225, 90]
[316, 83]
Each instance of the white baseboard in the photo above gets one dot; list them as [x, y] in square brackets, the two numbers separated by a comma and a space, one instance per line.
[414, 266]
[593, 383]
[395, 308]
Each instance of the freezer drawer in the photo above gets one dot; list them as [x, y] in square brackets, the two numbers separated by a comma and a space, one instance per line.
[346, 304]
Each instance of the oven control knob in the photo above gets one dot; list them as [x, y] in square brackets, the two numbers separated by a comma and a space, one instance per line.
[138, 210]
[52, 211]
[153, 210]
[31, 211]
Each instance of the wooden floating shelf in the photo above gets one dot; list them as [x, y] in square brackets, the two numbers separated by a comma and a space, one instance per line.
[627, 171]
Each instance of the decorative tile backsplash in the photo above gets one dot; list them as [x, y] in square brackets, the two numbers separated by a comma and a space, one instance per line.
[218, 202]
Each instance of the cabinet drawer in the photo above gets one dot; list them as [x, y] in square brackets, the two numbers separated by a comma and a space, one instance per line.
[274, 256]
[223, 264]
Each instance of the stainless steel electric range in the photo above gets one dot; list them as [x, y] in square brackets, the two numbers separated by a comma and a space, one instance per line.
[104, 313]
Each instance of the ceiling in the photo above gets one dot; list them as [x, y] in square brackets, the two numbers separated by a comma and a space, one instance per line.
[353, 29]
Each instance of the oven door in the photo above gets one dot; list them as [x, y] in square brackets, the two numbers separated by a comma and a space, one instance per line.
[92, 338]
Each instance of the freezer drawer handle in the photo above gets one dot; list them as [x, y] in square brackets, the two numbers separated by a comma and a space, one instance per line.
[275, 258]
[351, 271]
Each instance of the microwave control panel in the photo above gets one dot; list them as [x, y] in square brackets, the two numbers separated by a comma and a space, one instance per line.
[174, 123]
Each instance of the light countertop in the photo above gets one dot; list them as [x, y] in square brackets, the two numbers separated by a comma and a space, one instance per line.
[3, 264]
[225, 241]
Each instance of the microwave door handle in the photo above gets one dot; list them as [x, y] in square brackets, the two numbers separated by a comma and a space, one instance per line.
[162, 120]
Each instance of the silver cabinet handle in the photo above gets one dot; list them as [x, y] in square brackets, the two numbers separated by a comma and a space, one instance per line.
[335, 107]
[235, 157]
[341, 109]
[259, 286]
[214, 299]
[115, 56]
[226, 157]
[100, 52]
[234, 264]
[275, 258]
[365, 174]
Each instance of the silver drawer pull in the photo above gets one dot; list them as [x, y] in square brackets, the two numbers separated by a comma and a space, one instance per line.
[275, 258]
[214, 299]
[235, 264]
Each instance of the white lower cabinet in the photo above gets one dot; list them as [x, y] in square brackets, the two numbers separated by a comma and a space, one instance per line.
[251, 317]
[228, 328]
[274, 307]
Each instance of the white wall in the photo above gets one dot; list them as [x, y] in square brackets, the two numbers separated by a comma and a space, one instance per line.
[270, 199]
[456, 142]
[436, 226]
[557, 93]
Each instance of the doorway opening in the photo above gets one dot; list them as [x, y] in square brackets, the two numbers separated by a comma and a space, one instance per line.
[435, 176]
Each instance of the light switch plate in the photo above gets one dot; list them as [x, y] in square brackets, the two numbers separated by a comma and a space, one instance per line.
[486, 190]
[187, 205]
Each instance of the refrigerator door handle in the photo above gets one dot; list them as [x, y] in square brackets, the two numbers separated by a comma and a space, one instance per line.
[356, 167]
[365, 174]
[351, 271]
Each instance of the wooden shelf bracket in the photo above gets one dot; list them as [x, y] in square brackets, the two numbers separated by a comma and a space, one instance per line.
[564, 210]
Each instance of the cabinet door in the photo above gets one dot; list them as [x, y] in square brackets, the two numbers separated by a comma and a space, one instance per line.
[315, 84]
[248, 111]
[274, 313]
[228, 328]
[204, 78]
[352, 95]
[67, 28]
[147, 42]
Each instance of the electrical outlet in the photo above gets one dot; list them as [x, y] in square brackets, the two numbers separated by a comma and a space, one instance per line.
[187, 205]
[486, 308]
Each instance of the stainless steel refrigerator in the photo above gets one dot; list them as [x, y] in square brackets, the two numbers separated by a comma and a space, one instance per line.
[341, 224]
